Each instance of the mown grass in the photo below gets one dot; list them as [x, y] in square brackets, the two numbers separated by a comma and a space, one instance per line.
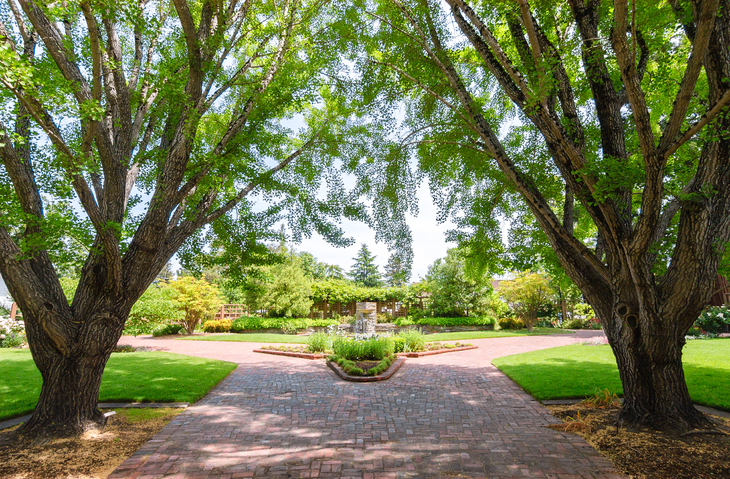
[578, 370]
[250, 338]
[128, 377]
[502, 333]
[299, 339]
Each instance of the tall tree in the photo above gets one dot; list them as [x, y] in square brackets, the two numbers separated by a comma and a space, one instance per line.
[365, 271]
[396, 271]
[149, 120]
[455, 292]
[617, 109]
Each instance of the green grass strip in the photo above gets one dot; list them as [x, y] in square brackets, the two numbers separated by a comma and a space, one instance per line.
[578, 370]
[502, 333]
[249, 338]
[128, 377]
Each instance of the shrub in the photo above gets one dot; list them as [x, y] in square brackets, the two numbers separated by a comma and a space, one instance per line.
[12, 333]
[374, 348]
[289, 327]
[575, 323]
[399, 343]
[413, 341]
[319, 343]
[217, 326]
[511, 323]
[351, 368]
[124, 348]
[383, 318]
[253, 323]
[156, 307]
[167, 329]
[714, 319]
[404, 321]
[457, 321]
[346, 319]
[416, 313]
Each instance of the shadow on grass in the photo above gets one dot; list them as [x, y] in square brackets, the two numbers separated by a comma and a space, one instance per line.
[128, 377]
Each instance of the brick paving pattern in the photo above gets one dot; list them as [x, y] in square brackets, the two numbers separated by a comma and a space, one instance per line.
[451, 415]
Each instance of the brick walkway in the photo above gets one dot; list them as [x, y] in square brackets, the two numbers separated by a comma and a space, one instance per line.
[452, 415]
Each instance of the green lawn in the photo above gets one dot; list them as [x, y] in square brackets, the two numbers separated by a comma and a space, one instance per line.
[295, 339]
[138, 377]
[578, 370]
[250, 338]
[503, 333]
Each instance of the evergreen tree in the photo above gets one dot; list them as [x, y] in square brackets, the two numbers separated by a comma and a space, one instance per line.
[396, 272]
[364, 271]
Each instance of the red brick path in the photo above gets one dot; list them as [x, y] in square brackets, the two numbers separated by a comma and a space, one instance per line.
[451, 415]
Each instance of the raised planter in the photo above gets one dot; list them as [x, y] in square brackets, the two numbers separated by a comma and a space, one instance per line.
[367, 379]
[291, 354]
[418, 354]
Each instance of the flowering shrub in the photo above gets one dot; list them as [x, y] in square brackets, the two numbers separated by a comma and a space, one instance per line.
[12, 333]
[714, 319]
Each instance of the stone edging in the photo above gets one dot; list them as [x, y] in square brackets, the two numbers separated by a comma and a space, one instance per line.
[419, 354]
[367, 379]
[291, 354]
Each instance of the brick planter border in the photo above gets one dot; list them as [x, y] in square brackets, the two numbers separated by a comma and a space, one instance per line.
[291, 354]
[367, 379]
[418, 354]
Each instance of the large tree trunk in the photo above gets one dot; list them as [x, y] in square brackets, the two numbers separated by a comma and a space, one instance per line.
[67, 405]
[655, 391]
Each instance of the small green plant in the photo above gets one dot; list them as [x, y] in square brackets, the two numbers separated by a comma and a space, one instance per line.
[575, 323]
[319, 343]
[398, 343]
[404, 321]
[217, 326]
[167, 329]
[383, 318]
[603, 399]
[413, 340]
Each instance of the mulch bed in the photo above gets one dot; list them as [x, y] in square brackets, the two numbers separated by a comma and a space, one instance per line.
[648, 454]
[363, 365]
[419, 354]
[292, 354]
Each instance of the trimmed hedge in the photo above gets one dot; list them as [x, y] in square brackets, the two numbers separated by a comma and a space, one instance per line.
[253, 323]
[465, 321]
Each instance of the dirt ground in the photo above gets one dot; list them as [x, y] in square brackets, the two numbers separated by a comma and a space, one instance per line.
[649, 454]
[94, 455]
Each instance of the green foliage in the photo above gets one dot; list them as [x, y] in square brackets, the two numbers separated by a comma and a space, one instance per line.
[464, 321]
[157, 306]
[714, 319]
[217, 326]
[404, 321]
[168, 329]
[288, 292]
[373, 349]
[526, 294]
[512, 323]
[197, 298]
[364, 271]
[351, 368]
[320, 342]
[413, 340]
[253, 323]
[399, 343]
[383, 318]
[454, 292]
[397, 273]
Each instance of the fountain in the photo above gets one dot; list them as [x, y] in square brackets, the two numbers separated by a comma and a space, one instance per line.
[365, 318]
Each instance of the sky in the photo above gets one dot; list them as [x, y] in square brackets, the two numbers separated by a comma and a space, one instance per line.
[429, 241]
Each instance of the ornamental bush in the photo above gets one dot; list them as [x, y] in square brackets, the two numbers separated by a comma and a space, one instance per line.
[511, 323]
[167, 329]
[373, 349]
[253, 323]
[320, 342]
[714, 319]
[12, 333]
[458, 321]
[217, 326]
[413, 340]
